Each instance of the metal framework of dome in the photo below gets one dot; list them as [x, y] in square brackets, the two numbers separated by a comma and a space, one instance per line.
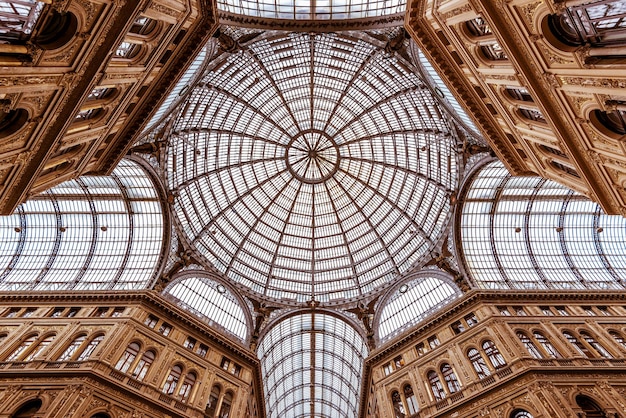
[311, 166]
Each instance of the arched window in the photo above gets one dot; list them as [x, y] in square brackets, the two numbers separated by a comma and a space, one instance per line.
[187, 386]
[29, 409]
[211, 406]
[127, 50]
[93, 344]
[398, 407]
[520, 413]
[143, 26]
[518, 93]
[24, 345]
[12, 121]
[589, 407]
[529, 345]
[128, 357]
[72, 348]
[580, 347]
[547, 345]
[435, 385]
[172, 380]
[411, 399]
[17, 19]
[143, 365]
[494, 356]
[478, 27]
[226, 405]
[614, 121]
[478, 362]
[40, 347]
[450, 378]
[493, 52]
[619, 338]
[596, 345]
[532, 114]
[596, 23]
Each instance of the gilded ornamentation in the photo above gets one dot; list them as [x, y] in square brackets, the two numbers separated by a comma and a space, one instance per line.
[157, 7]
[614, 83]
[64, 56]
[551, 56]
[458, 11]
[528, 12]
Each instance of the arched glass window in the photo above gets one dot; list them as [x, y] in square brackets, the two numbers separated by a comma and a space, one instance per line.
[211, 405]
[296, 387]
[29, 409]
[398, 407]
[532, 114]
[187, 386]
[494, 356]
[478, 27]
[143, 365]
[211, 301]
[93, 344]
[143, 26]
[127, 50]
[518, 93]
[128, 357]
[547, 345]
[529, 345]
[435, 385]
[493, 52]
[520, 413]
[595, 344]
[226, 405]
[92, 233]
[589, 407]
[412, 302]
[618, 337]
[72, 348]
[531, 233]
[172, 380]
[478, 362]
[614, 121]
[24, 345]
[596, 23]
[450, 378]
[40, 347]
[580, 347]
[411, 399]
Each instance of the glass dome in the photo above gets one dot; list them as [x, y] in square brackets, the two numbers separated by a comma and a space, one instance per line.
[311, 166]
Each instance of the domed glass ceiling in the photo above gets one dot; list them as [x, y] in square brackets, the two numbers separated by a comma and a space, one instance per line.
[312, 166]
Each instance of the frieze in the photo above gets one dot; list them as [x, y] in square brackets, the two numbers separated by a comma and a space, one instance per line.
[24, 81]
[458, 11]
[551, 56]
[157, 7]
[615, 83]
[64, 56]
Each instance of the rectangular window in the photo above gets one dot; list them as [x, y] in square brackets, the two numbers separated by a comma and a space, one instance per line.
[72, 312]
[433, 341]
[387, 369]
[237, 370]
[589, 311]
[202, 350]
[604, 310]
[12, 313]
[225, 364]
[28, 312]
[561, 310]
[398, 362]
[118, 311]
[421, 349]
[546, 310]
[190, 343]
[470, 320]
[519, 311]
[457, 327]
[101, 312]
[151, 321]
[165, 329]
[57, 312]
[504, 311]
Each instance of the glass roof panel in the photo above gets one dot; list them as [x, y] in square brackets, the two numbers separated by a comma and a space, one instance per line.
[211, 301]
[92, 233]
[312, 365]
[311, 166]
[412, 302]
[531, 233]
[313, 10]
